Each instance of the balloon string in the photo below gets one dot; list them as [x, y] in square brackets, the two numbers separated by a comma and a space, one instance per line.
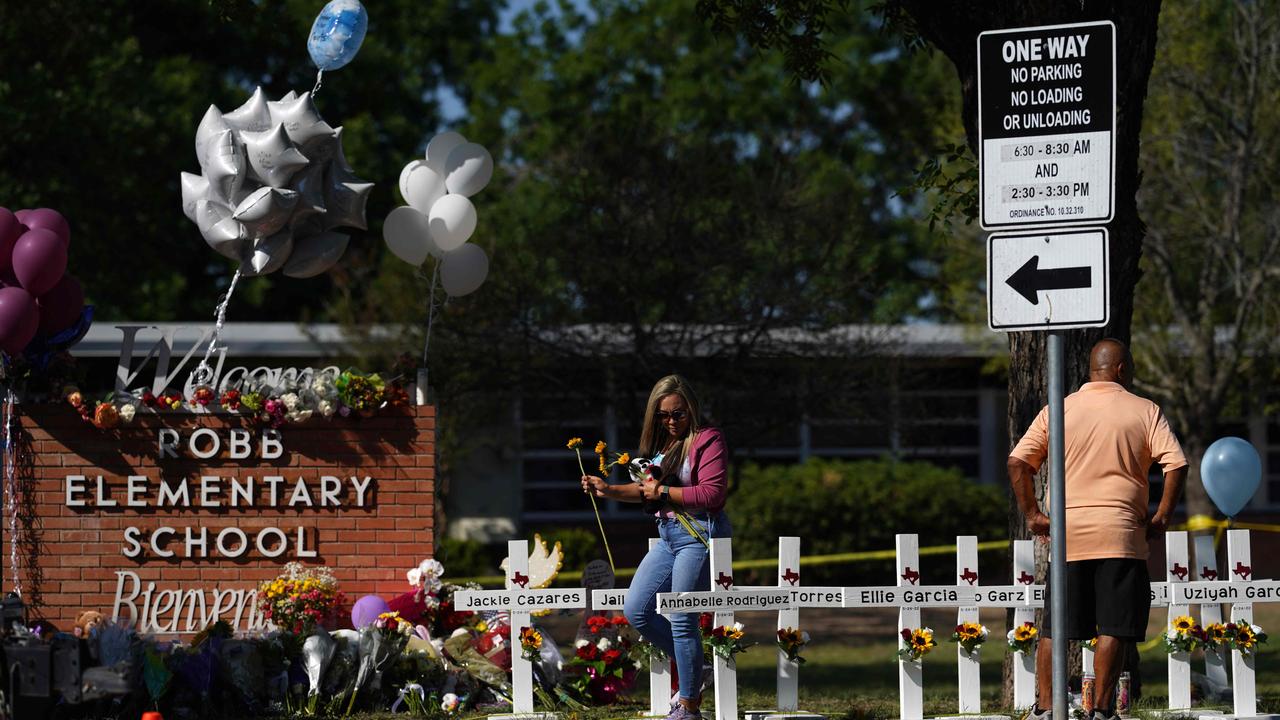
[316, 89]
[204, 372]
[431, 312]
[11, 489]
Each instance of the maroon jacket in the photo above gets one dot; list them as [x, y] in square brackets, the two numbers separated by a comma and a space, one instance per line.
[709, 472]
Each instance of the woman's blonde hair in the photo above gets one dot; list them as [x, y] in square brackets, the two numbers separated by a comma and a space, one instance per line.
[652, 429]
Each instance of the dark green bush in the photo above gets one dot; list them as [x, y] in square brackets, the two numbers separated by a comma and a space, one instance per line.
[839, 506]
[469, 558]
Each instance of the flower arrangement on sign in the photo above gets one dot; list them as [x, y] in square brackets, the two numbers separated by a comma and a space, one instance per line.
[300, 598]
[604, 662]
[349, 393]
[429, 601]
[970, 636]
[916, 643]
[791, 641]
[530, 644]
[1023, 638]
[1183, 636]
[1244, 636]
[1214, 635]
[725, 640]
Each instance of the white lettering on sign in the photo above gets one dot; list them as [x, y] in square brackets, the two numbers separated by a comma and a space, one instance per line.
[554, 599]
[191, 609]
[216, 491]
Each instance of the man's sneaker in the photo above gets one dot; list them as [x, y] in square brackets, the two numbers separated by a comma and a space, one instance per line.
[1035, 713]
[1103, 715]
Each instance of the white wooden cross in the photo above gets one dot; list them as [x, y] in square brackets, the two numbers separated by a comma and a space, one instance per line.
[1178, 571]
[788, 697]
[1206, 568]
[520, 603]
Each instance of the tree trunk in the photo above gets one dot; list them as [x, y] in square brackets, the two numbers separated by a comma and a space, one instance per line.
[953, 27]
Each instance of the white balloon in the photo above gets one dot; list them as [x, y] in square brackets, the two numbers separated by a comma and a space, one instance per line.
[194, 189]
[426, 186]
[439, 148]
[404, 177]
[211, 125]
[463, 271]
[272, 156]
[468, 169]
[266, 211]
[314, 254]
[406, 233]
[252, 116]
[267, 255]
[452, 220]
[224, 166]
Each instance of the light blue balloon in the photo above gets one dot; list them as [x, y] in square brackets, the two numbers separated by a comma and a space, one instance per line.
[1231, 471]
[337, 33]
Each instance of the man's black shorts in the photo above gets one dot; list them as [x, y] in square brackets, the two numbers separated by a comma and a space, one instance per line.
[1105, 597]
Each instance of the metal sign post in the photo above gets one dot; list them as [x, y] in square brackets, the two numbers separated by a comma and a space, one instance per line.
[1057, 528]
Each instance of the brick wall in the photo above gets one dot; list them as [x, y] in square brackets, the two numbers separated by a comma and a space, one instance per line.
[70, 556]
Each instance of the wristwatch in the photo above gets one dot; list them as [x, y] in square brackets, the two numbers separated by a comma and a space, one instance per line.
[664, 493]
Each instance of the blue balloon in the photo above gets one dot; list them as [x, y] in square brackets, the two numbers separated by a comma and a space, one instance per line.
[1231, 471]
[337, 33]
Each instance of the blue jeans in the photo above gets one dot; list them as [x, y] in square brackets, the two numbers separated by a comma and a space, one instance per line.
[678, 563]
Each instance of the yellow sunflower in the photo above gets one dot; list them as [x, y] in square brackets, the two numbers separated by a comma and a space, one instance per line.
[1025, 632]
[1245, 637]
[922, 639]
[1215, 632]
[1183, 623]
[969, 631]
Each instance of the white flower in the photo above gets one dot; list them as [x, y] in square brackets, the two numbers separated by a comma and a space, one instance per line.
[297, 416]
[737, 626]
[438, 644]
[1010, 635]
[322, 385]
[581, 643]
[804, 637]
[604, 644]
[449, 702]
[1256, 629]
[326, 408]
[985, 632]
[1172, 635]
[460, 631]
[431, 568]
[415, 577]
[127, 411]
[290, 401]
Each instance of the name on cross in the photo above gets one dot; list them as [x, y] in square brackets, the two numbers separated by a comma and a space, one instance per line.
[519, 599]
[1194, 593]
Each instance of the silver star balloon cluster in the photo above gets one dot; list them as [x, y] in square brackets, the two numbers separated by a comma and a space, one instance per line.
[274, 185]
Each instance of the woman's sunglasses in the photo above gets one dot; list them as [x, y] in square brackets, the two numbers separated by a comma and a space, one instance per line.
[676, 415]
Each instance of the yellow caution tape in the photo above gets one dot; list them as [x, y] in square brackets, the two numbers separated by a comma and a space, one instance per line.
[807, 561]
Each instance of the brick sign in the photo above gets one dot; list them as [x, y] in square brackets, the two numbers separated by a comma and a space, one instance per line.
[174, 520]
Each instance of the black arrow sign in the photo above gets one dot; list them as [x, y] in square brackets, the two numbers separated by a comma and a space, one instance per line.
[1029, 279]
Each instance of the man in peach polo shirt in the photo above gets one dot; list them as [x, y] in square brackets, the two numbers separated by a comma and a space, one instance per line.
[1112, 438]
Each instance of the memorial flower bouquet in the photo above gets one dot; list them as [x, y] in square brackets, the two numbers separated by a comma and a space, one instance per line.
[916, 643]
[970, 635]
[1023, 638]
[1183, 635]
[603, 666]
[1244, 636]
[1215, 635]
[791, 641]
[725, 640]
[530, 644]
[300, 597]
[359, 392]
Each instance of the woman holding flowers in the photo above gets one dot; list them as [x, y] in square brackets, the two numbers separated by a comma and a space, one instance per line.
[690, 500]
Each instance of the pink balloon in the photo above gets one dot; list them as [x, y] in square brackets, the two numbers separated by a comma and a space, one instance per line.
[19, 319]
[23, 214]
[61, 306]
[10, 231]
[39, 260]
[49, 219]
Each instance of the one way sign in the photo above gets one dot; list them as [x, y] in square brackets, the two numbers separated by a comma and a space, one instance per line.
[1048, 280]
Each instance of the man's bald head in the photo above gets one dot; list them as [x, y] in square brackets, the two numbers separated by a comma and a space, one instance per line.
[1110, 361]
